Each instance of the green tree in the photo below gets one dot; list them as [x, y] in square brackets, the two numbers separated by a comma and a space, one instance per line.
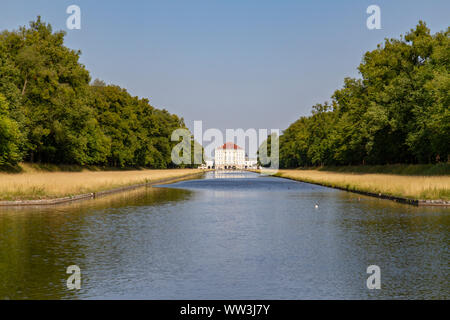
[9, 136]
[398, 112]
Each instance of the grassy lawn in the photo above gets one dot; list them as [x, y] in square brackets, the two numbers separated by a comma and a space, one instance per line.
[425, 187]
[37, 183]
[397, 169]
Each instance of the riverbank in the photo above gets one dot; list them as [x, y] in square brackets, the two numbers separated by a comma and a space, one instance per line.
[440, 169]
[414, 189]
[44, 186]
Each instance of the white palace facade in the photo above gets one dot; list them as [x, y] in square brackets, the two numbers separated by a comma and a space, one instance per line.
[229, 156]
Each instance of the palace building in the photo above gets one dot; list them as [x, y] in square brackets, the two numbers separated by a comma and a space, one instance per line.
[229, 156]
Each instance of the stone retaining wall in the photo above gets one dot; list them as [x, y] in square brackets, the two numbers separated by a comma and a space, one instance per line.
[414, 202]
[46, 202]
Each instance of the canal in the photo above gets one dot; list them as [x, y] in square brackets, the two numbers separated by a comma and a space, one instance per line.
[234, 235]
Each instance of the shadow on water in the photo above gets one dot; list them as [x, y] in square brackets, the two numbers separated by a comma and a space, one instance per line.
[229, 235]
[37, 244]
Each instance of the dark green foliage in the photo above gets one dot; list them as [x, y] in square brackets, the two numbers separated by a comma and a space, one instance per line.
[50, 113]
[9, 137]
[397, 113]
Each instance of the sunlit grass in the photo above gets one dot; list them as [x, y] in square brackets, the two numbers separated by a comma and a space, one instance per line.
[412, 187]
[439, 169]
[36, 184]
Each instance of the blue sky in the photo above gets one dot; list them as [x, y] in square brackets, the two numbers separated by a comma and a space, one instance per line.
[234, 63]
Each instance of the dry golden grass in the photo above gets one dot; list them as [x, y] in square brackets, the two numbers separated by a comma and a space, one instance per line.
[413, 187]
[35, 184]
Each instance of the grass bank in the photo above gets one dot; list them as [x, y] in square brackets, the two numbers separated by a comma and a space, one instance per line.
[440, 169]
[420, 187]
[36, 183]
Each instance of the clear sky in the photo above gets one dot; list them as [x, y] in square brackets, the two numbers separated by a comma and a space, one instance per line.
[231, 63]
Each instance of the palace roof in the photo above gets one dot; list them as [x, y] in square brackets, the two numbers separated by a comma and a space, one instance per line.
[230, 145]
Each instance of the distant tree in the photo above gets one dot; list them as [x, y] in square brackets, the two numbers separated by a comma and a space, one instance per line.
[98, 83]
[51, 113]
[397, 112]
[9, 136]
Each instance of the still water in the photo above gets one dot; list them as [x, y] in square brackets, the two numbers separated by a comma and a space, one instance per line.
[226, 236]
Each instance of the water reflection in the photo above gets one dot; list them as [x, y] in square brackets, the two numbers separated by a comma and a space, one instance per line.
[37, 244]
[229, 235]
[227, 174]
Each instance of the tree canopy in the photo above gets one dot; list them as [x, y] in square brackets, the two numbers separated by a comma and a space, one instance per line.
[50, 112]
[397, 112]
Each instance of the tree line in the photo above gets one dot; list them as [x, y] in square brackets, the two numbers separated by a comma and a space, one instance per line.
[396, 112]
[50, 112]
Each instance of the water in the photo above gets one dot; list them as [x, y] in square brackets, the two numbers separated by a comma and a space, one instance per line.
[226, 236]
